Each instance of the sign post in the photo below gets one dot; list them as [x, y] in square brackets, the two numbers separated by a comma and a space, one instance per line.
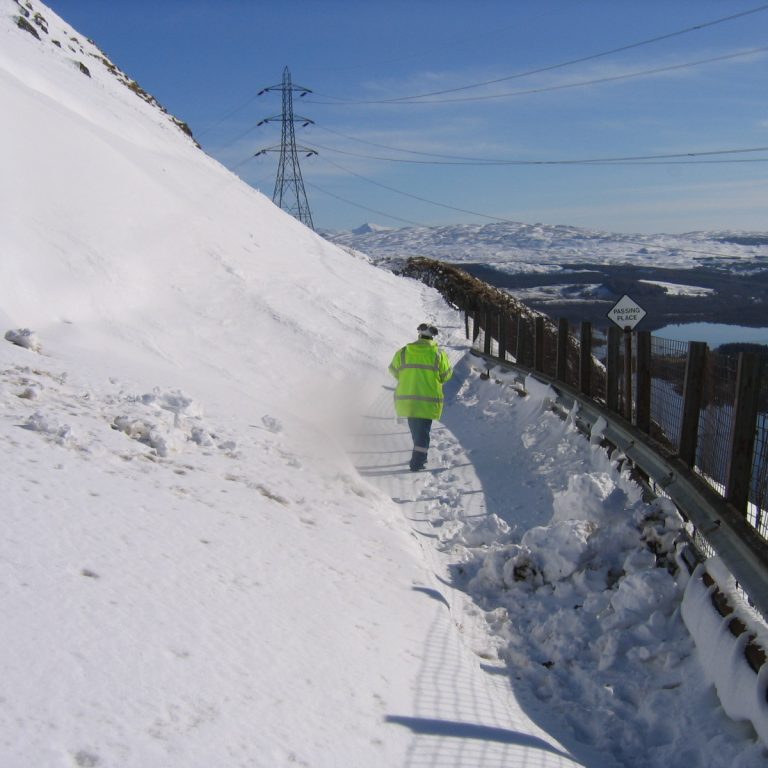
[626, 313]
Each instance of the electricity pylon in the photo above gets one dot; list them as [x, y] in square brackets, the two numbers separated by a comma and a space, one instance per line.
[289, 191]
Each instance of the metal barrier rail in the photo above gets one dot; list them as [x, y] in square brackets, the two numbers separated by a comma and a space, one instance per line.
[736, 542]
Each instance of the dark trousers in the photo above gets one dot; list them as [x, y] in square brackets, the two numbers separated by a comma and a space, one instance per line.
[420, 429]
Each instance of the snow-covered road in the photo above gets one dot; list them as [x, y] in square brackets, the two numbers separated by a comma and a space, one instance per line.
[464, 713]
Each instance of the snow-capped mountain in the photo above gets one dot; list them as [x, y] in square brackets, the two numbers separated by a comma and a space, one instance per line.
[368, 228]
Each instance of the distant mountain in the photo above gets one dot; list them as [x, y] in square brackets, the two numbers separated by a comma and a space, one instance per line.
[369, 229]
[519, 247]
[579, 274]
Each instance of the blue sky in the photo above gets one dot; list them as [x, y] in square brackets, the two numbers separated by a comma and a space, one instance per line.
[206, 61]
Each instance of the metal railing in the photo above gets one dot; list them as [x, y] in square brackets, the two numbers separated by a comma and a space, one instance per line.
[716, 450]
[718, 526]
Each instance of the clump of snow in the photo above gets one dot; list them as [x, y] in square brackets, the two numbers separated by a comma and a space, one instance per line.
[558, 550]
[165, 421]
[477, 532]
[175, 401]
[50, 426]
[271, 423]
[24, 337]
[32, 391]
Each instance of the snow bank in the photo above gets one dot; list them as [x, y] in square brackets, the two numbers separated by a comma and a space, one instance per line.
[743, 692]
[122, 241]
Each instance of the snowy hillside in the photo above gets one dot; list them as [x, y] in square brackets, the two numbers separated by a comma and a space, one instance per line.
[212, 553]
[118, 232]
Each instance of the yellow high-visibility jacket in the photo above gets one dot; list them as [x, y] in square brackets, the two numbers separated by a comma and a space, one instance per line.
[421, 368]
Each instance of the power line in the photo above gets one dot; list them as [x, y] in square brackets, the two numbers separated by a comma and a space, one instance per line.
[415, 197]
[551, 67]
[492, 161]
[205, 130]
[364, 207]
[565, 86]
[208, 128]
[498, 219]
[408, 99]
[630, 159]
[601, 80]
[592, 57]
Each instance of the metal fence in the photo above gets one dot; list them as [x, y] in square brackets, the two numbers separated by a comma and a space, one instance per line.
[668, 359]
[757, 515]
[536, 343]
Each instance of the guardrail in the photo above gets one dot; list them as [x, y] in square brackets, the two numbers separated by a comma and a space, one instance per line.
[737, 543]
[704, 407]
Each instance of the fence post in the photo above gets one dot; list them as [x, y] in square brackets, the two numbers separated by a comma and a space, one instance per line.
[561, 372]
[487, 332]
[693, 393]
[585, 362]
[522, 340]
[628, 374]
[513, 337]
[503, 336]
[475, 325]
[743, 436]
[538, 351]
[466, 324]
[643, 375]
[612, 369]
[530, 342]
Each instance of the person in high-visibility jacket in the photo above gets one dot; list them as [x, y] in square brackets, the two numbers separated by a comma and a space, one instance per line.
[421, 368]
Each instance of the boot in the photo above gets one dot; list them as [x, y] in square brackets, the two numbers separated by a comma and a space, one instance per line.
[418, 460]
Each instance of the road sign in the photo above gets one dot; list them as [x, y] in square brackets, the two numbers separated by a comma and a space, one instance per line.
[626, 313]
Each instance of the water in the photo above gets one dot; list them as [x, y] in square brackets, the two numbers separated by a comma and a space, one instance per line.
[714, 334]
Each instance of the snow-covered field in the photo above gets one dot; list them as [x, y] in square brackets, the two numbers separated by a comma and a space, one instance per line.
[579, 274]
[212, 553]
[539, 248]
